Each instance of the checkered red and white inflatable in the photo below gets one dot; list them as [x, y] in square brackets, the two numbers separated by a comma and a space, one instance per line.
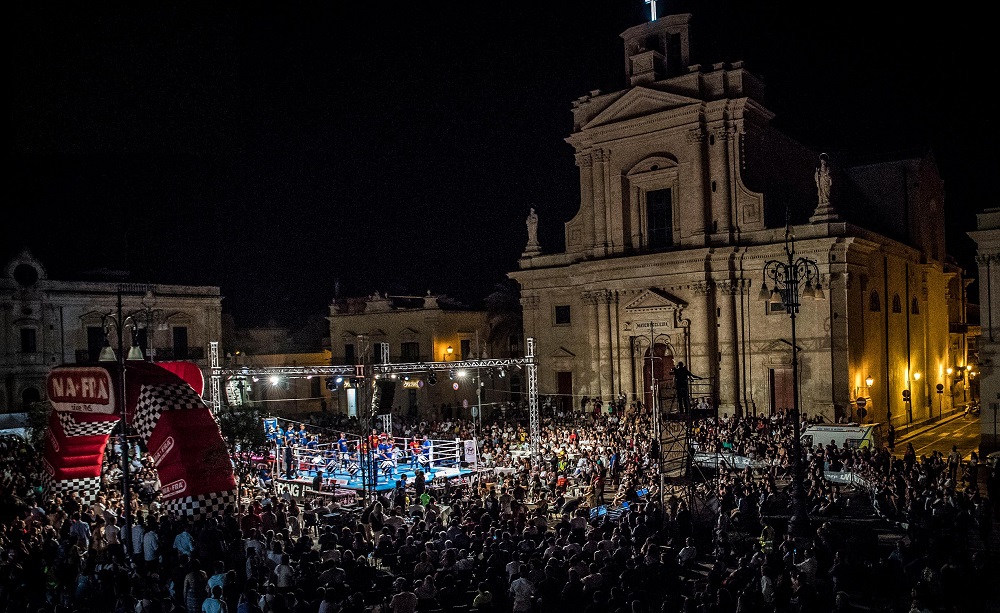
[164, 408]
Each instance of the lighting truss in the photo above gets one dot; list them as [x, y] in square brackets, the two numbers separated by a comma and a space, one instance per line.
[528, 362]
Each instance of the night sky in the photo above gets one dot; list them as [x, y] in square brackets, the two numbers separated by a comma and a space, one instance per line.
[281, 150]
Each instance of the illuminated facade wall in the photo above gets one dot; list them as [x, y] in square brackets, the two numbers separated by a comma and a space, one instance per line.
[685, 189]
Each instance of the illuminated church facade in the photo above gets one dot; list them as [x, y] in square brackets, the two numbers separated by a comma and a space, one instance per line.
[686, 193]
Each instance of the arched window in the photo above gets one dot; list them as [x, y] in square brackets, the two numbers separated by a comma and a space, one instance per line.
[873, 302]
[897, 307]
[914, 307]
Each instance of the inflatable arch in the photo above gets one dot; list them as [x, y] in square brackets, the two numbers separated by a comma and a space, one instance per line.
[162, 403]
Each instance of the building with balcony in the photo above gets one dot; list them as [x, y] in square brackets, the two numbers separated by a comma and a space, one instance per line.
[420, 329]
[46, 322]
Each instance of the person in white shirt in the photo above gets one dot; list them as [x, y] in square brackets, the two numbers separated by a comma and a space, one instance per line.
[183, 543]
[809, 565]
[687, 554]
[112, 535]
[151, 549]
[98, 507]
[521, 592]
[284, 575]
[138, 531]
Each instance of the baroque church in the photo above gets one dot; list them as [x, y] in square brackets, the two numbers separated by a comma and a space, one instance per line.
[687, 193]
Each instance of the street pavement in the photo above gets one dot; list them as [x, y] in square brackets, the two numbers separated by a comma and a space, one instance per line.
[957, 429]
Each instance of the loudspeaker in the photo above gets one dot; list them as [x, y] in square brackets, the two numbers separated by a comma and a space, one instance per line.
[386, 389]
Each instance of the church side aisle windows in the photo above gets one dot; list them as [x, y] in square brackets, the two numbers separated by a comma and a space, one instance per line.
[874, 304]
[659, 219]
[562, 315]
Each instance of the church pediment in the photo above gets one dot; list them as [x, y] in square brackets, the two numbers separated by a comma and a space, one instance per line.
[778, 345]
[655, 300]
[562, 352]
[639, 102]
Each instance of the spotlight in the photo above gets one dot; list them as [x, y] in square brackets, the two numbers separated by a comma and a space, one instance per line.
[462, 372]
[431, 378]
[275, 379]
[451, 374]
[338, 380]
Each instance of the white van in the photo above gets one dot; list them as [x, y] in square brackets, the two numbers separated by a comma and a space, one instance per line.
[857, 436]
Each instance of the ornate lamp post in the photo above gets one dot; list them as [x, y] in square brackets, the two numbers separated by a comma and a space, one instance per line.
[786, 278]
[119, 321]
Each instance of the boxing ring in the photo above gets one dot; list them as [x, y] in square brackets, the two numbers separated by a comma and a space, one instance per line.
[363, 467]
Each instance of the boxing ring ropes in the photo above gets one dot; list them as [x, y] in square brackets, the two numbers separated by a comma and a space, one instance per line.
[372, 372]
[365, 470]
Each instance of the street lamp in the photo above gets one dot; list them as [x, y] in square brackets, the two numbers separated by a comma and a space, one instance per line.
[447, 353]
[119, 321]
[786, 277]
[862, 399]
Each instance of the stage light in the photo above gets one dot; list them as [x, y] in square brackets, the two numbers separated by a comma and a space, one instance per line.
[339, 380]
[462, 372]
[275, 379]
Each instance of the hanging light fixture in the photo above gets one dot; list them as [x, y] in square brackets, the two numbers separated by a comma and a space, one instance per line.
[819, 294]
[776, 300]
[764, 294]
[107, 353]
[809, 291]
[135, 353]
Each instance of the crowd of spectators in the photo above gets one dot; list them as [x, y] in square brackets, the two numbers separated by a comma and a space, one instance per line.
[521, 536]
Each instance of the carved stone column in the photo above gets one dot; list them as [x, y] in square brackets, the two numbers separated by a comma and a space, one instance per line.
[592, 300]
[724, 196]
[706, 364]
[586, 164]
[729, 383]
[697, 223]
[529, 308]
[600, 205]
[604, 343]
